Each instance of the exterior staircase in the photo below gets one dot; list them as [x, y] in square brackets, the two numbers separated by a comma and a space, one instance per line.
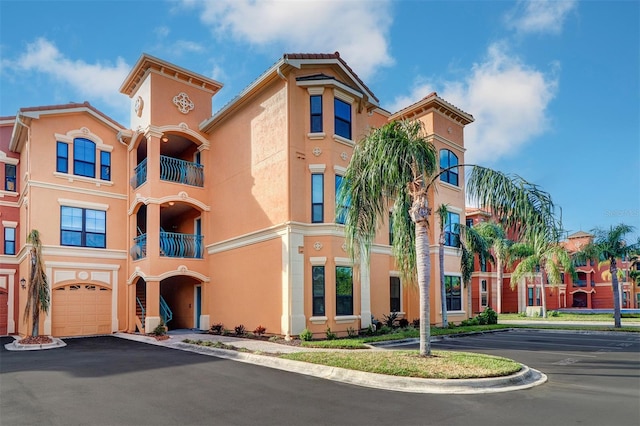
[141, 302]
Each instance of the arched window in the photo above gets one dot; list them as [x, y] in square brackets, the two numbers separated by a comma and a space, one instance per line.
[448, 159]
[84, 158]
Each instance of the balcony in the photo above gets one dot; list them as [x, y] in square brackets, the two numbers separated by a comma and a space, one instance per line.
[171, 170]
[580, 283]
[172, 244]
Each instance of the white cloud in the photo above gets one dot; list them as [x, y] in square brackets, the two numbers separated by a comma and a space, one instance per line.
[357, 29]
[91, 81]
[539, 16]
[507, 98]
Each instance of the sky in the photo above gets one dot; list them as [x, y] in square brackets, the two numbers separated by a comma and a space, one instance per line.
[554, 86]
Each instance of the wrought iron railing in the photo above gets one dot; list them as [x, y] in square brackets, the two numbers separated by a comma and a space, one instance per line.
[139, 174]
[580, 283]
[181, 171]
[165, 312]
[139, 249]
[173, 244]
[141, 310]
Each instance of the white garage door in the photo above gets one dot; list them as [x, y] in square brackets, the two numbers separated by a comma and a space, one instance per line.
[80, 310]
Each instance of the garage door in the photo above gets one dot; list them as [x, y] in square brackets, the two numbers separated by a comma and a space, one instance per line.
[4, 312]
[80, 310]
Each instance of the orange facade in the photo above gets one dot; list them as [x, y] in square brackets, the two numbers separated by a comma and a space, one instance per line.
[191, 218]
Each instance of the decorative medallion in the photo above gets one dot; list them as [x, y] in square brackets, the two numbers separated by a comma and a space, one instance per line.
[344, 156]
[138, 106]
[317, 245]
[83, 275]
[317, 151]
[344, 246]
[182, 101]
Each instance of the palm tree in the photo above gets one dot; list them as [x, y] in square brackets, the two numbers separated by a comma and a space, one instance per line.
[539, 252]
[396, 164]
[607, 247]
[471, 244]
[500, 247]
[443, 212]
[38, 292]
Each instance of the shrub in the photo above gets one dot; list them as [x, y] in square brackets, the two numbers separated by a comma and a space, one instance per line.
[275, 338]
[371, 330]
[403, 323]
[240, 330]
[384, 330]
[416, 323]
[553, 313]
[306, 335]
[390, 320]
[160, 330]
[330, 334]
[469, 322]
[522, 314]
[489, 315]
[351, 332]
[216, 328]
[259, 331]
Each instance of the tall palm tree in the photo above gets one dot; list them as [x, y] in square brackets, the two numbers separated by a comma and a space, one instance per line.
[500, 247]
[442, 212]
[608, 246]
[471, 244]
[38, 292]
[396, 164]
[539, 253]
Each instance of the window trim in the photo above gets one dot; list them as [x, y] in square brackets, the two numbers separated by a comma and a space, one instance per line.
[83, 232]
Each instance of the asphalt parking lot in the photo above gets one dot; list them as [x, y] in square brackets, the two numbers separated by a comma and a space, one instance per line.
[594, 379]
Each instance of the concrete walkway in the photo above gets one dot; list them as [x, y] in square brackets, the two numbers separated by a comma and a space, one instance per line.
[262, 353]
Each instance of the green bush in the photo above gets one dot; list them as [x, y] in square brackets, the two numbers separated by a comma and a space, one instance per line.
[259, 331]
[490, 316]
[160, 330]
[306, 335]
[384, 330]
[240, 330]
[553, 313]
[330, 334]
[403, 323]
[371, 330]
[216, 328]
[390, 320]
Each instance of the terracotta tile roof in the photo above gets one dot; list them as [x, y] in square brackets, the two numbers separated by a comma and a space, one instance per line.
[71, 105]
[336, 55]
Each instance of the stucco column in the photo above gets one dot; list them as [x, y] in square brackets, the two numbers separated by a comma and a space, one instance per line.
[131, 307]
[153, 231]
[365, 295]
[293, 320]
[152, 317]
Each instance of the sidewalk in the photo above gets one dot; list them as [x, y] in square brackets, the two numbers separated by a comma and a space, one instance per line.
[262, 353]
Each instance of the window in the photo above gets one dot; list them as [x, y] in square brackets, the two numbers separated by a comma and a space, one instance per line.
[530, 296]
[390, 228]
[82, 227]
[316, 114]
[343, 118]
[105, 165]
[483, 294]
[62, 157]
[344, 290]
[452, 230]
[9, 240]
[84, 158]
[448, 159]
[483, 264]
[341, 209]
[394, 294]
[469, 223]
[10, 177]
[317, 197]
[317, 273]
[454, 296]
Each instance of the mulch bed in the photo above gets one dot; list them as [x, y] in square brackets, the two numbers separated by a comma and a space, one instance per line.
[159, 337]
[35, 340]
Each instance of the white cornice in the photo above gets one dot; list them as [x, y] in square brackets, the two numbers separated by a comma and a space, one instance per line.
[57, 187]
[84, 252]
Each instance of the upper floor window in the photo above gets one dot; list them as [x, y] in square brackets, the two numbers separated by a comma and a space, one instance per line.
[10, 177]
[394, 294]
[341, 210]
[342, 118]
[84, 158]
[105, 165]
[390, 228]
[448, 159]
[317, 197]
[316, 113]
[469, 223]
[83, 227]
[62, 157]
[452, 230]
[9, 240]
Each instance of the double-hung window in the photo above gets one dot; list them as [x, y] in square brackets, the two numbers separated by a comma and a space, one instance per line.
[83, 227]
[84, 158]
[394, 294]
[10, 177]
[341, 207]
[453, 293]
[9, 240]
[317, 197]
[448, 159]
[452, 230]
[316, 113]
[342, 118]
[62, 157]
[344, 290]
[317, 273]
[105, 165]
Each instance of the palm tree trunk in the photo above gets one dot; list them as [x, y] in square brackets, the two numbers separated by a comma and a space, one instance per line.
[543, 296]
[499, 286]
[613, 268]
[423, 269]
[443, 289]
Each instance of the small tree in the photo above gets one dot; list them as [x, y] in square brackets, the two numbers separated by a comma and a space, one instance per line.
[38, 297]
[443, 213]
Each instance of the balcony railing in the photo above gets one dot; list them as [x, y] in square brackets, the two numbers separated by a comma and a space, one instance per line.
[180, 171]
[580, 283]
[172, 244]
[139, 174]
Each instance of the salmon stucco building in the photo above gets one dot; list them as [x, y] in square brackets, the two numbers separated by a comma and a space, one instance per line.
[192, 218]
